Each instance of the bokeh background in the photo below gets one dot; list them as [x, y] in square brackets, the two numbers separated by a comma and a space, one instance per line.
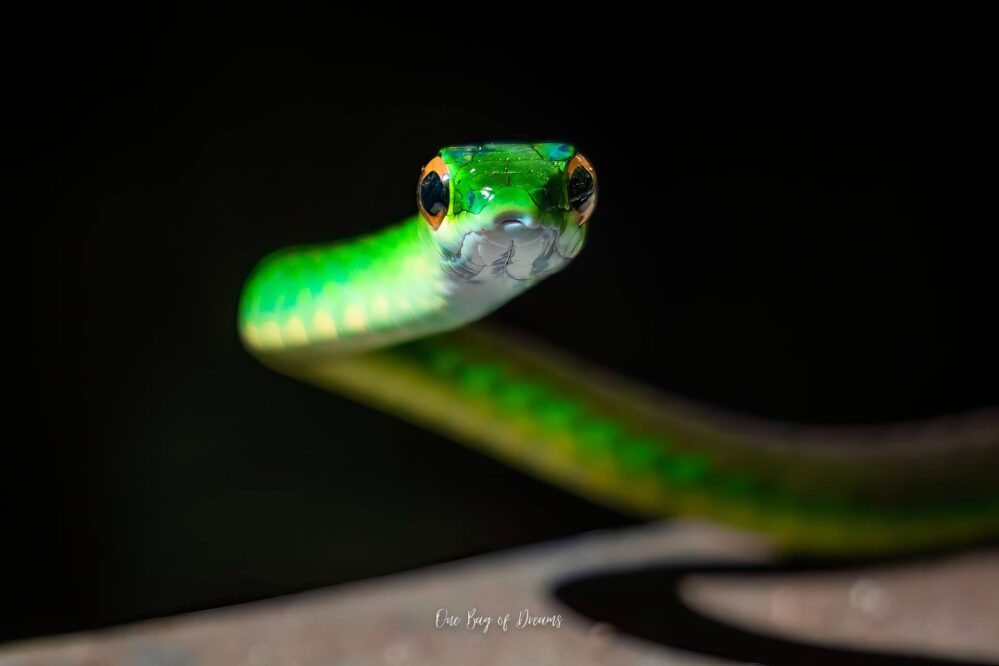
[801, 236]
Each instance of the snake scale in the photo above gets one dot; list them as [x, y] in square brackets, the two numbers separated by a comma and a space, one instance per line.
[389, 319]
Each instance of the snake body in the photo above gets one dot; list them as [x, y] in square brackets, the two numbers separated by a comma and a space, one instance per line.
[389, 319]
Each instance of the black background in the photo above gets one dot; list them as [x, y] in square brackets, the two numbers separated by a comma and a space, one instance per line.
[793, 235]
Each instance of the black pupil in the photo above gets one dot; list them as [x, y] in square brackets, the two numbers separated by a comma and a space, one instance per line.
[580, 187]
[433, 194]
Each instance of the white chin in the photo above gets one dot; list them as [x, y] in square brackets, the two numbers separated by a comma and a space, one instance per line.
[509, 250]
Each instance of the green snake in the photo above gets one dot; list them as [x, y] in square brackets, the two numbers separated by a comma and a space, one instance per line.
[388, 318]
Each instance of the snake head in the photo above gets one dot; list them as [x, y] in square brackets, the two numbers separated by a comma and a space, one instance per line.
[519, 207]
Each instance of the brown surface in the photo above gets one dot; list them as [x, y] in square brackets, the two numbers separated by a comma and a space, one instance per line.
[947, 607]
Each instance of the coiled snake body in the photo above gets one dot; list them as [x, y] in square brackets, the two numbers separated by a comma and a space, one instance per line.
[385, 318]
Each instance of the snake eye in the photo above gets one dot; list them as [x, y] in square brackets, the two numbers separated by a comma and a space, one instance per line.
[582, 185]
[433, 192]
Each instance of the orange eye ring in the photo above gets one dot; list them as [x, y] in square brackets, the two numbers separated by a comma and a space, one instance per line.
[581, 182]
[433, 192]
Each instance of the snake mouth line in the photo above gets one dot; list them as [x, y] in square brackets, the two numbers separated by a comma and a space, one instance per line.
[514, 217]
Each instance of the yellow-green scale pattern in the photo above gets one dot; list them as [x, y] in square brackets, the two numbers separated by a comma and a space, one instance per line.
[335, 291]
[567, 434]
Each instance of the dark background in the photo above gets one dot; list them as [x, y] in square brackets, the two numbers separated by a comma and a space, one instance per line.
[793, 235]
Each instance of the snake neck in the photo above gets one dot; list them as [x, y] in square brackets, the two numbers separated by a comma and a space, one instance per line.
[370, 292]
